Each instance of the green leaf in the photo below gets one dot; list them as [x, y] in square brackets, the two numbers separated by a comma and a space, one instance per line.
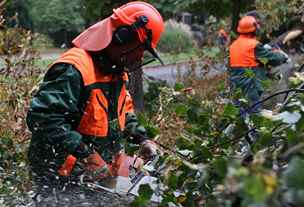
[292, 137]
[260, 121]
[293, 176]
[131, 149]
[249, 74]
[167, 198]
[201, 153]
[173, 181]
[255, 188]
[152, 131]
[212, 52]
[178, 86]
[264, 139]
[145, 193]
[220, 165]
[142, 119]
[190, 201]
[183, 143]
[300, 125]
[205, 152]
[231, 111]
[181, 110]
[222, 86]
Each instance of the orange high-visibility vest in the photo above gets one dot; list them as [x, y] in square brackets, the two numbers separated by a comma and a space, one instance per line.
[94, 121]
[242, 52]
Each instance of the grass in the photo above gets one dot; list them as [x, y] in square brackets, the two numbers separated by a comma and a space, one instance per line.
[171, 58]
[168, 58]
[43, 63]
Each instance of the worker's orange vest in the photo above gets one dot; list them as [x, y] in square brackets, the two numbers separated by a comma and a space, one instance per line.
[242, 52]
[94, 120]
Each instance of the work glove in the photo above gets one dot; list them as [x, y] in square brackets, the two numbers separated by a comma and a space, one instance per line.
[95, 167]
[70, 165]
[148, 150]
[90, 162]
[134, 132]
[82, 151]
[276, 48]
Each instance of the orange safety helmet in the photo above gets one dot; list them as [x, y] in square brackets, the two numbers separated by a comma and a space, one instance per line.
[99, 35]
[247, 24]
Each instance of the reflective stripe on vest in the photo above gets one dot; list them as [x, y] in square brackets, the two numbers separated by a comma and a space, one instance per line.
[242, 52]
[94, 121]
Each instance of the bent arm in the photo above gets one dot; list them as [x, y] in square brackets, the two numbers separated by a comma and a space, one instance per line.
[54, 109]
[268, 57]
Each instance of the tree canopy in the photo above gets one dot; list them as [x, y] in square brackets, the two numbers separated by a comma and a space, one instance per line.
[65, 18]
[51, 16]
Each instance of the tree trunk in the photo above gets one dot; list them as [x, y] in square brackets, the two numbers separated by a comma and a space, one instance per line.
[236, 10]
[136, 89]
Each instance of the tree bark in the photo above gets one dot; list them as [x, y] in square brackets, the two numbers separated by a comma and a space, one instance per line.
[136, 89]
[236, 10]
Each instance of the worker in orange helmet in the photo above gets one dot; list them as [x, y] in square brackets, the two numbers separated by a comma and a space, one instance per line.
[222, 37]
[83, 111]
[249, 60]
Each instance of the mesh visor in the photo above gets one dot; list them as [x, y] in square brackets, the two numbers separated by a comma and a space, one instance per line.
[148, 46]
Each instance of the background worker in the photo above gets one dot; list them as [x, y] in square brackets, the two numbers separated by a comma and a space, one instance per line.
[249, 59]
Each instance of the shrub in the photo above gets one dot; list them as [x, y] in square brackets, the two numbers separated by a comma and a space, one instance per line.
[176, 38]
[18, 75]
[42, 41]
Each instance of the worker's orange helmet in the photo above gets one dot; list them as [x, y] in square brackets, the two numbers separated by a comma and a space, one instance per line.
[99, 36]
[129, 13]
[247, 24]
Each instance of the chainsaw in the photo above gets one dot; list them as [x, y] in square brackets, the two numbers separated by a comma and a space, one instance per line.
[129, 173]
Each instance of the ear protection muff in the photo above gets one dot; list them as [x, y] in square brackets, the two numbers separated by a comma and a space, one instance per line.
[124, 34]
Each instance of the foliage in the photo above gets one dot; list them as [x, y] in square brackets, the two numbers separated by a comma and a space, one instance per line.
[212, 172]
[176, 33]
[152, 95]
[17, 14]
[276, 13]
[218, 8]
[96, 10]
[204, 139]
[17, 78]
[50, 16]
[146, 193]
[66, 19]
[41, 41]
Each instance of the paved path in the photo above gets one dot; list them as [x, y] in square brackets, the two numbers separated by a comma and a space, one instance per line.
[168, 72]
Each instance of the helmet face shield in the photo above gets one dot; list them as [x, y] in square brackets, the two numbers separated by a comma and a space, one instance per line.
[150, 27]
[132, 59]
[131, 54]
[149, 47]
